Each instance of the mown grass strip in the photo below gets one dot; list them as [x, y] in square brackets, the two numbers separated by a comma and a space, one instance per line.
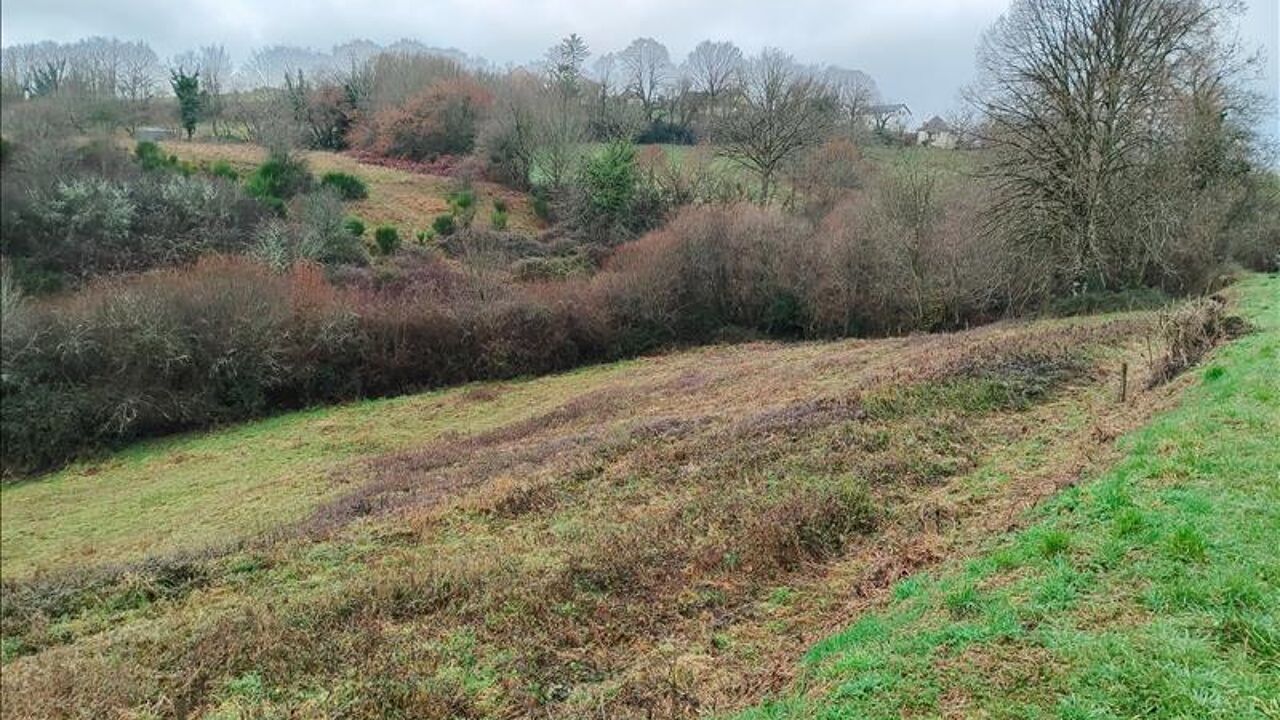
[1152, 591]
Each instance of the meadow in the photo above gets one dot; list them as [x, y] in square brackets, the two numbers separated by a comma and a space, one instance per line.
[405, 199]
[663, 536]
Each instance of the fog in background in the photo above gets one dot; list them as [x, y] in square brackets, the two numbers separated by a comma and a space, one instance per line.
[920, 52]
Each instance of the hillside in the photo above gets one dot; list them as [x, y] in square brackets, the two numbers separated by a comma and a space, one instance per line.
[666, 537]
[1151, 591]
[408, 200]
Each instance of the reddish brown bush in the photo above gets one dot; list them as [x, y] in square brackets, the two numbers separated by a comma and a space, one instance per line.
[441, 120]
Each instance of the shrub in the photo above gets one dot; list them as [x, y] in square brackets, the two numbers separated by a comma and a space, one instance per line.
[610, 204]
[274, 245]
[440, 120]
[355, 226]
[91, 224]
[1189, 332]
[444, 225]
[348, 186]
[541, 203]
[498, 220]
[324, 235]
[320, 234]
[387, 239]
[222, 169]
[538, 269]
[151, 157]
[463, 206]
[171, 349]
[282, 176]
[500, 204]
[664, 132]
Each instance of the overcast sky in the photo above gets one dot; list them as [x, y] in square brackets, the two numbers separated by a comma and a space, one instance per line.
[919, 51]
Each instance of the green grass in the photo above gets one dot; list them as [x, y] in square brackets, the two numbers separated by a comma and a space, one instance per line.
[951, 166]
[1152, 591]
[201, 490]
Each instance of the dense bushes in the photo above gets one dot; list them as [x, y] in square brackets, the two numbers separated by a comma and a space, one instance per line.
[90, 224]
[319, 233]
[231, 338]
[228, 339]
[609, 203]
[440, 120]
[169, 350]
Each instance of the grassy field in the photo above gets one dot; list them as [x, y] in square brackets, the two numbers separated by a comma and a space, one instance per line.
[408, 200]
[1150, 591]
[665, 537]
[206, 489]
[948, 165]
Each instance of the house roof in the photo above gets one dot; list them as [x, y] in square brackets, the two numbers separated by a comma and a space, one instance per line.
[936, 125]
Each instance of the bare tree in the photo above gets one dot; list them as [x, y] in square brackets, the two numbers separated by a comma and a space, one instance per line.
[611, 117]
[215, 74]
[646, 67]
[140, 75]
[560, 123]
[782, 111]
[854, 90]
[712, 68]
[1080, 99]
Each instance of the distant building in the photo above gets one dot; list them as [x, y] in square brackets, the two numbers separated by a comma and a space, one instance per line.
[888, 118]
[937, 133]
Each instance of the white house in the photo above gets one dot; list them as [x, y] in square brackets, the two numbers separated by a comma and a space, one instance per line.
[887, 118]
[937, 133]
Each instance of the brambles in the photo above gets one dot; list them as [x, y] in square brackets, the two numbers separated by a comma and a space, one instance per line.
[1189, 331]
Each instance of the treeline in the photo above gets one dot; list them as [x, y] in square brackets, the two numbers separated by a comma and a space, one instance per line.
[526, 126]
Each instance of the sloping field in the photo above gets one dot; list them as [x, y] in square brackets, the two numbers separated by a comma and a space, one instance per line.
[408, 200]
[1152, 591]
[658, 538]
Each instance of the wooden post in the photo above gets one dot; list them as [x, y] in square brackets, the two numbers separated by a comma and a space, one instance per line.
[1124, 381]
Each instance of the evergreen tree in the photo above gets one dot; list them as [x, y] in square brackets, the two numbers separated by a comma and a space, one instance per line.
[187, 89]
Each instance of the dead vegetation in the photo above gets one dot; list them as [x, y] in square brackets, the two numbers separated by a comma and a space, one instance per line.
[662, 547]
[1189, 331]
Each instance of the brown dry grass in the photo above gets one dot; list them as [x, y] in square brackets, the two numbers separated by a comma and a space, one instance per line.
[410, 201]
[662, 546]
